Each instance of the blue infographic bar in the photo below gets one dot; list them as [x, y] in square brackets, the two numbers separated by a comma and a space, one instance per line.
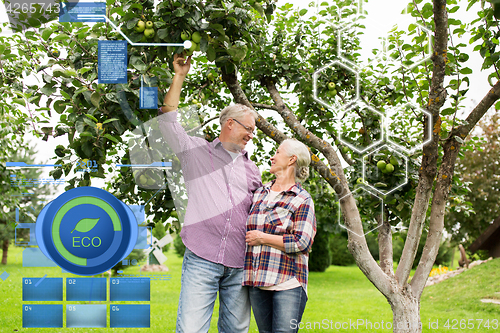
[82, 12]
[86, 289]
[112, 61]
[129, 289]
[148, 98]
[142, 239]
[86, 315]
[42, 315]
[129, 315]
[34, 257]
[42, 289]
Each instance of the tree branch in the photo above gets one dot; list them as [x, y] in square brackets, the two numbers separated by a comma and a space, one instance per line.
[451, 148]
[192, 130]
[428, 170]
[357, 242]
[340, 146]
[481, 108]
[385, 244]
[304, 134]
[274, 133]
[264, 106]
[239, 96]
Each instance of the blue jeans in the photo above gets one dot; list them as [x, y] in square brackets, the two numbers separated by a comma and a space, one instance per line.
[278, 311]
[200, 282]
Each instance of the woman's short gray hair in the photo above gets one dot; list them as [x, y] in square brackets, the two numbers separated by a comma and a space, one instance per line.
[236, 111]
[297, 148]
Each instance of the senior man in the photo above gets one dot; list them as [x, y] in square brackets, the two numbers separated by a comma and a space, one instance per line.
[220, 181]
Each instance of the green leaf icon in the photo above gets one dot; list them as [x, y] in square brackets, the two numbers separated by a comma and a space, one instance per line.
[85, 225]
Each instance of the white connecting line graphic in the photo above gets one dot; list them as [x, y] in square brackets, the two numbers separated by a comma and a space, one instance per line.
[187, 44]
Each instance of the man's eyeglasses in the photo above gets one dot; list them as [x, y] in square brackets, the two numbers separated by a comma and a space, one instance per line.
[249, 130]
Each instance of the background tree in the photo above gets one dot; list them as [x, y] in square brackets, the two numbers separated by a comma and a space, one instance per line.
[481, 170]
[27, 196]
[272, 69]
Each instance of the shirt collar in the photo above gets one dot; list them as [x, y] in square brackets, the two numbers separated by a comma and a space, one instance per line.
[294, 189]
[217, 143]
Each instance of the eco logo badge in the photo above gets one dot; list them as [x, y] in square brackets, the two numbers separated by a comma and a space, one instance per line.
[86, 230]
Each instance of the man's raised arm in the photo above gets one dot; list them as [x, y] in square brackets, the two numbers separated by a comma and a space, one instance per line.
[181, 68]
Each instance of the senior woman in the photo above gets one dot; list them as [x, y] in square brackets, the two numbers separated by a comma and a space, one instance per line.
[280, 232]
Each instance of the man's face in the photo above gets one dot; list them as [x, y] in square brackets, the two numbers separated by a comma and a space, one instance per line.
[242, 132]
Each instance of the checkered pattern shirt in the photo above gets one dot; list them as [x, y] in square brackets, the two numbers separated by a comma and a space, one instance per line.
[290, 215]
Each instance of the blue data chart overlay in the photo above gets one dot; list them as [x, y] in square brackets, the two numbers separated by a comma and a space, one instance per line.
[86, 289]
[112, 61]
[42, 289]
[129, 289]
[34, 257]
[86, 315]
[142, 239]
[42, 315]
[82, 12]
[148, 98]
[129, 315]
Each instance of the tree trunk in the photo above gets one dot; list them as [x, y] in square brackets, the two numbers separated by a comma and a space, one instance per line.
[5, 249]
[406, 313]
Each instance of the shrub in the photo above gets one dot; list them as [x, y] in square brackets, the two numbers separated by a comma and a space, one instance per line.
[340, 255]
[179, 246]
[320, 256]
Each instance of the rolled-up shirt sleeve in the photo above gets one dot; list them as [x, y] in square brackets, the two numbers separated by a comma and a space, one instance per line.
[301, 236]
[175, 135]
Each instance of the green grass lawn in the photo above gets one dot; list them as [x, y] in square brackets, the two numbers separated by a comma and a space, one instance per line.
[339, 295]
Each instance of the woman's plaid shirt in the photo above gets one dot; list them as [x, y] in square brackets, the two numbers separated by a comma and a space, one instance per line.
[290, 215]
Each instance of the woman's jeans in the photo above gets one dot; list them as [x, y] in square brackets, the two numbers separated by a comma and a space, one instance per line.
[278, 311]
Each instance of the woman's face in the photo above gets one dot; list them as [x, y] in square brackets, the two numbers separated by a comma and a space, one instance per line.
[280, 161]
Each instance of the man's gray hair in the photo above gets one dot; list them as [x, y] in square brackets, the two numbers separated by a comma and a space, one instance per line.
[297, 148]
[236, 111]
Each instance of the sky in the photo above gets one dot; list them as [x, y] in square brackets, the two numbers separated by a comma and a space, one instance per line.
[382, 15]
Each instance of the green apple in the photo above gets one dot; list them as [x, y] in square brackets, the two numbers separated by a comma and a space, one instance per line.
[389, 168]
[149, 33]
[333, 92]
[54, 53]
[143, 180]
[140, 27]
[185, 35]
[210, 76]
[151, 182]
[149, 25]
[196, 37]
[359, 181]
[381, 165]
[345, 149]
[194, 46]
[194, 101]
[331, 85]
[393, 160]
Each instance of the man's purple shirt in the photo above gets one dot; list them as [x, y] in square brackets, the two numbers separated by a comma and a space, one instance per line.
[219, 190]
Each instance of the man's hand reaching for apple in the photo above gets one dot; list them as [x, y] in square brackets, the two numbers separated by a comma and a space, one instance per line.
[181, 66]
